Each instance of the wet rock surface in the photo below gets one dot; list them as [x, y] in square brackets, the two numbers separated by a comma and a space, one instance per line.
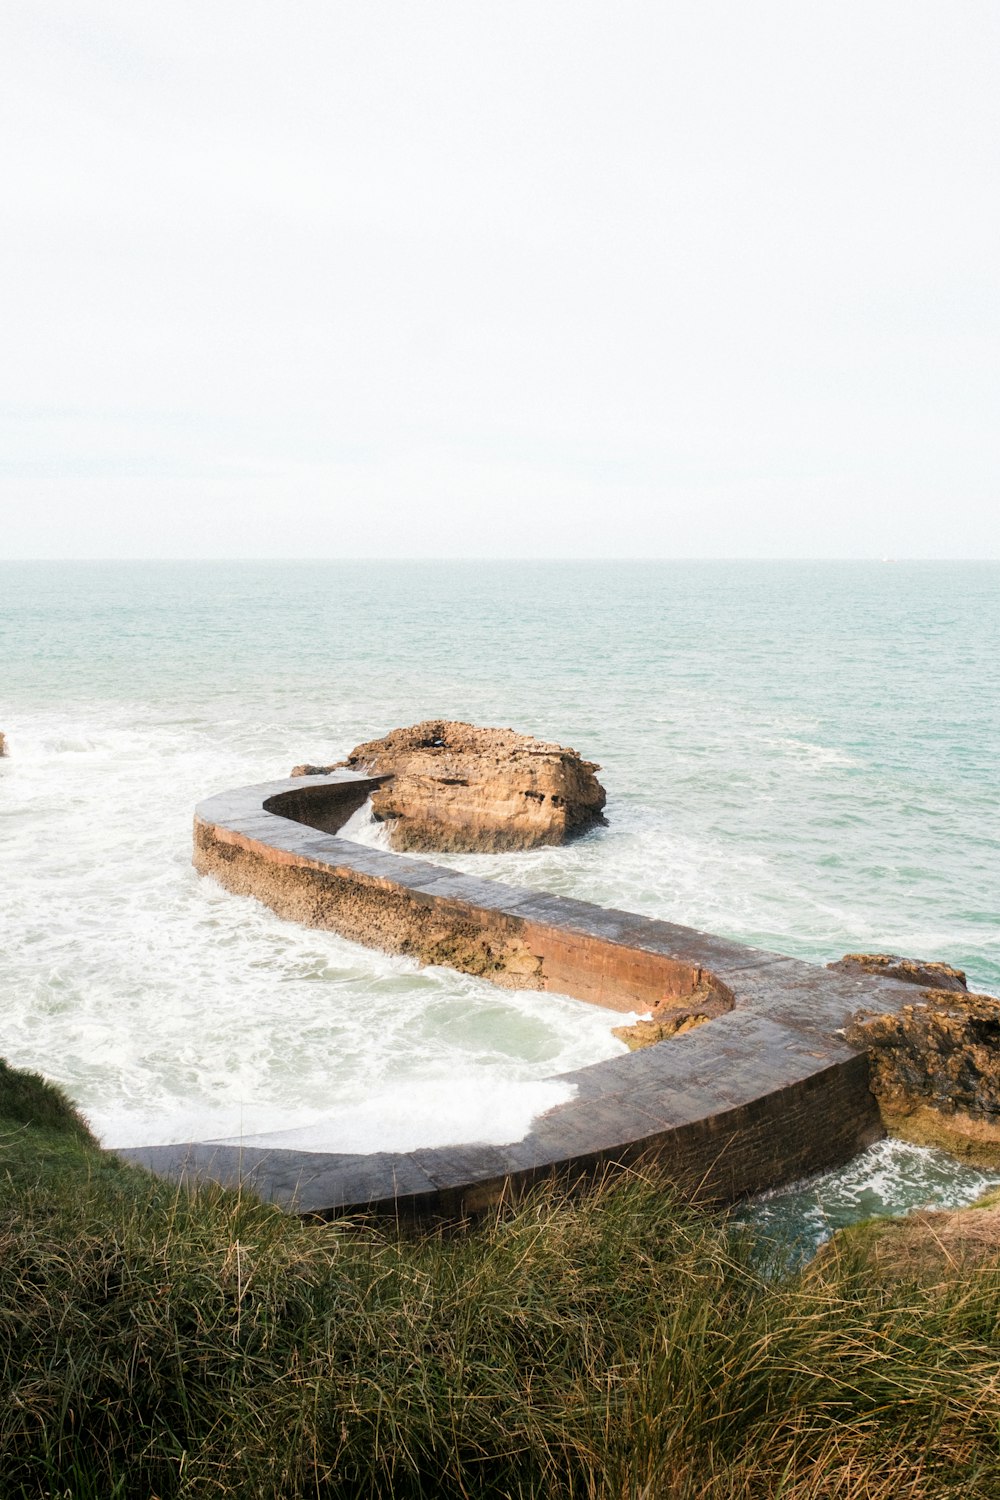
[674, 1018]
[935, 976]
[935, 1070]
[458, 787]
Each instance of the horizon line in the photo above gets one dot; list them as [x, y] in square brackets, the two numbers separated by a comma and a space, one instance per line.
[507, 558]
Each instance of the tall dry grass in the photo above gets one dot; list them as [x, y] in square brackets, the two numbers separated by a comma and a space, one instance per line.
[616, 1344]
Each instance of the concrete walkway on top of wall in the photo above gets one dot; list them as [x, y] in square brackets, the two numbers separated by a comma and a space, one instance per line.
[765, 1094]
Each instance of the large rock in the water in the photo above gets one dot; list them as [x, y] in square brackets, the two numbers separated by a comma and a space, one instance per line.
[458, 787]
[933, 975]
[935, 1070]
[3, 744]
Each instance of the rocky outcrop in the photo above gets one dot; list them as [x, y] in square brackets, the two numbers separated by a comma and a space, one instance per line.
[674, 1017]
[934, 976]
[459, 787]
[935, 1070]
[3, 744]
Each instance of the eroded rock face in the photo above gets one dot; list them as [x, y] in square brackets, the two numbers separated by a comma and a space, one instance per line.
[674, 1017]
[458, 787]
[909, 970]
[935, 1070]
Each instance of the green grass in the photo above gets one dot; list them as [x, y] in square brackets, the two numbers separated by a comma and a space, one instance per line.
[29, 1099]
[162, 1343]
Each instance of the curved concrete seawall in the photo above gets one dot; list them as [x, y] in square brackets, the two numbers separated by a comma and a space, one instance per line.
[764, 1094]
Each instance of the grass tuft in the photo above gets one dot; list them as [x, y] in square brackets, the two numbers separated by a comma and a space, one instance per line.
[612, 1346]
[30, 1099]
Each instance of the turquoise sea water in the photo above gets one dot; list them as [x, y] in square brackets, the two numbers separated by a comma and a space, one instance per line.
[799, 755]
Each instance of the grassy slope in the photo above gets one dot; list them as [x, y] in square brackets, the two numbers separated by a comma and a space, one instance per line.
[156, 1343]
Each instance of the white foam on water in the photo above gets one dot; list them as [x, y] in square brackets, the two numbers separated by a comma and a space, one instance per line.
[470, 1110]
[172, 1010]
[890, 1178]
[362, 827]
[818, 758]
[793, 758]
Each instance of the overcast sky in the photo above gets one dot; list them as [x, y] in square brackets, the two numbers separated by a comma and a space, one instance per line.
[326, 278]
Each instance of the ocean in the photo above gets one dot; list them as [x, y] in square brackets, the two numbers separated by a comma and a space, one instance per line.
[802, 756]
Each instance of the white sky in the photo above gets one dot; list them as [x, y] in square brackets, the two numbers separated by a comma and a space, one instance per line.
[317, 277]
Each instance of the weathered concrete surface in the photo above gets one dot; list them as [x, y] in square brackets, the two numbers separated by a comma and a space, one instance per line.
[514, 937]
[769, 1091]
[455, 786]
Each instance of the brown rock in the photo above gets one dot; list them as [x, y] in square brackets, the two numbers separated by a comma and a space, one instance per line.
[458, 787]
[672, 1018]
[935, 1070]
[909, 970]
[648, 1033]
[3, 744]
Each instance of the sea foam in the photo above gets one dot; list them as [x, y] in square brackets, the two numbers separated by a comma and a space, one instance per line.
[793, 758]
